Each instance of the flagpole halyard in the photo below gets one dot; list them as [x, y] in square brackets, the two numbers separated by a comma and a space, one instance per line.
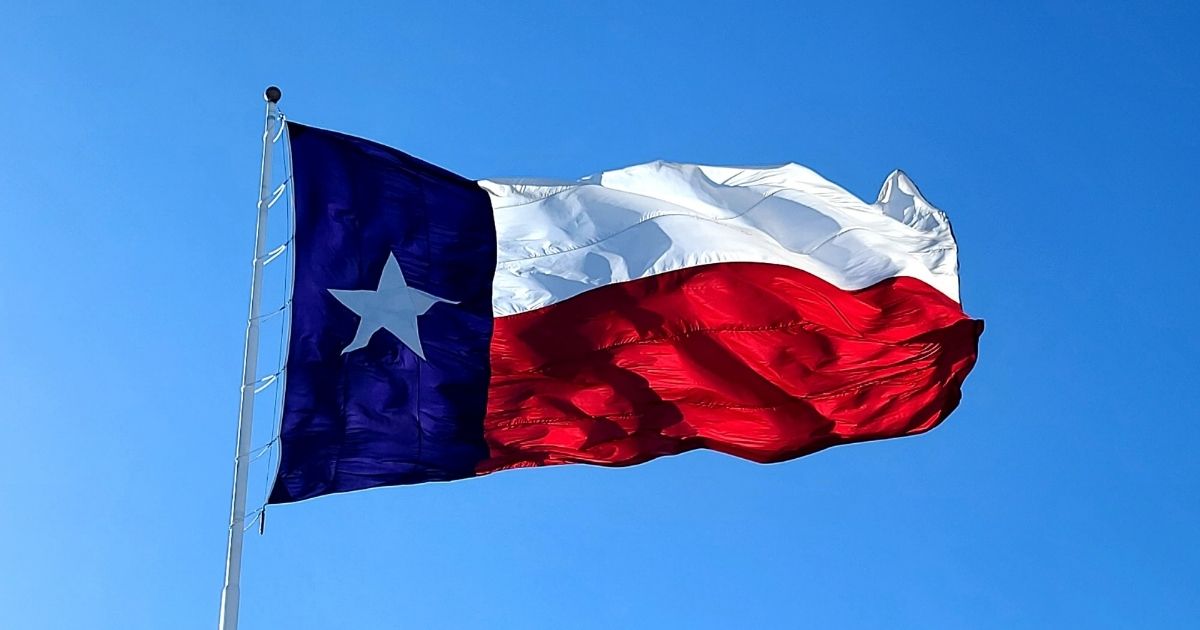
[231, 592]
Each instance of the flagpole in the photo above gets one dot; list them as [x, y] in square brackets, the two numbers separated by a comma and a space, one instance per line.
[231, 593]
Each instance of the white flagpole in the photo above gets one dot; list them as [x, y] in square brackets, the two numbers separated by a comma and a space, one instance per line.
[231, 593]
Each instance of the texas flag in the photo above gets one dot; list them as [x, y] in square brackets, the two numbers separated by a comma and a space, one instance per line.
[443, 328]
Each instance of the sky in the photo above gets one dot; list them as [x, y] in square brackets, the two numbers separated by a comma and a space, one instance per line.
[1060, 138]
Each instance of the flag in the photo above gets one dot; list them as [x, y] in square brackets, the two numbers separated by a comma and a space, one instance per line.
[444, 328]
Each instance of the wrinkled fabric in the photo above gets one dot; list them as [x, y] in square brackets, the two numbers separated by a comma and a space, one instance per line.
[643, 312]
[381, 415]
[761, 361]
[560, 240]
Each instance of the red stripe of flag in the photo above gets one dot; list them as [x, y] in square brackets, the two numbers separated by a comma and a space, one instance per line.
[761, 361]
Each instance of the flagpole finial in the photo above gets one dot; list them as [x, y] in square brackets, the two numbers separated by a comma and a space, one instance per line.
[272, 94]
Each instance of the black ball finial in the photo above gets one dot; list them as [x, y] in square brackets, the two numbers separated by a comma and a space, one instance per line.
[272, 94]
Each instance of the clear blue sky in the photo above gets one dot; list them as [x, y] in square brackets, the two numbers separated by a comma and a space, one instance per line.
[1062, 139]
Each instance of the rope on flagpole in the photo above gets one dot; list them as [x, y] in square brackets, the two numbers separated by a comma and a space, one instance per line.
[277, 194]
[285, 306]
[266, 380]
[262, 450]
[276, 454]
[273, 254]
[256, 516]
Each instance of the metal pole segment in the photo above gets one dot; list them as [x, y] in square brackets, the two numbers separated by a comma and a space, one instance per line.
[231, 592]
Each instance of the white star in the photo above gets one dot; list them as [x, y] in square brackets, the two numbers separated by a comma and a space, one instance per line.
[394, 306]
